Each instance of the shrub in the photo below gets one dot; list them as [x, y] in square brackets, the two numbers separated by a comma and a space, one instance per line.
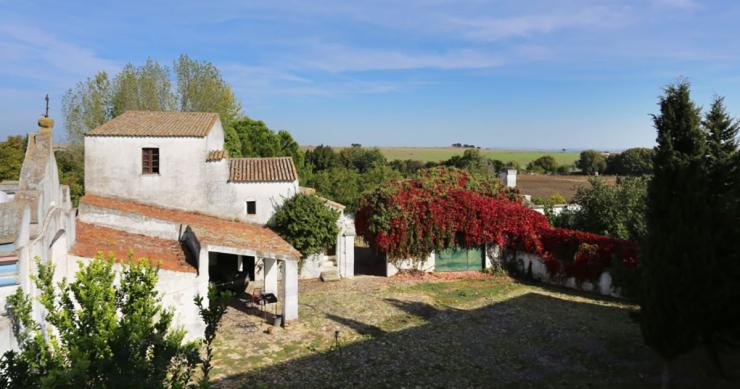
[305, 222]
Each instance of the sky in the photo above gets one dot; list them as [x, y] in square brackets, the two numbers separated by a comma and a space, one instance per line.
[541, 74]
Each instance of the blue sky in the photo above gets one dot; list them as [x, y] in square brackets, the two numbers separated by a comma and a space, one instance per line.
[546, 74]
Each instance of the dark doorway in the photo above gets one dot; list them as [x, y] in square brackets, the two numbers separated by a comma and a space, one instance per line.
[369, 261]
[226, 271]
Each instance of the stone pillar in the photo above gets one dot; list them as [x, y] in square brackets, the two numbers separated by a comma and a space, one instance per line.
[271, 276]
[290, 290]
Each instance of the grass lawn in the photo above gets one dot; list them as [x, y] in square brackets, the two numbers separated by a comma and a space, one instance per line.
[474, 332]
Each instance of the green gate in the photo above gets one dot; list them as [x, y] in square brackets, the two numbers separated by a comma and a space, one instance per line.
[459, 259]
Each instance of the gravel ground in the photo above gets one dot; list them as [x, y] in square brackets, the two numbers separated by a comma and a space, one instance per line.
[440, 331]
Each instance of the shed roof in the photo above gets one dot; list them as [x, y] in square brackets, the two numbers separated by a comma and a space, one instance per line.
[275, 169]
[92, 239]
[157, 124]
[209, 229]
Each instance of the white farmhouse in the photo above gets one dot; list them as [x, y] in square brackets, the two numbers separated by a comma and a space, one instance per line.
[177, 160]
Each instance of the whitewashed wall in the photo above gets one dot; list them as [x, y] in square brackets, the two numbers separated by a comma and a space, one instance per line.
[113, 168]
[177, 290]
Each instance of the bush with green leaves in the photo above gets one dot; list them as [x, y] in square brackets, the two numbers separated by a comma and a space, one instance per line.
[105, 334]
[306, 223]
[636, 161]
[615, 210]
[543, 164]
[591, 162]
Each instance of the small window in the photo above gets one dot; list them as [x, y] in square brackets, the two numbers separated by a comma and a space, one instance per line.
[150, 160]
[251, 207]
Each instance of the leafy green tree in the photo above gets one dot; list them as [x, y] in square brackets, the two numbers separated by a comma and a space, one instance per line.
[636, 161]
[322, 158]
[360, 158]
[87, 106]
[258, 140]
[591, 162]
[147, 87]
[614, 210]
[677, 258]
[306, 223]
[200, 88]
[543, 164]
[107, 335]
[12, 153]
[71, 166]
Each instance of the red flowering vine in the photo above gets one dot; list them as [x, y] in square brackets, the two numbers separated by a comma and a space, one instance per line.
[448, 207]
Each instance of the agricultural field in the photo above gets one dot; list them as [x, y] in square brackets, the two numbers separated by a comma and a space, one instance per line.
[436, 154]
[543, 186]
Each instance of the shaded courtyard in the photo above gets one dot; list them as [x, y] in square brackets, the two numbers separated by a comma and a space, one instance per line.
[480, 331]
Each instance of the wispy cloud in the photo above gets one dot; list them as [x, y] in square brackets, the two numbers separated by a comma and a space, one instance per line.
[32, 53]
[494, 29]
[340, 58]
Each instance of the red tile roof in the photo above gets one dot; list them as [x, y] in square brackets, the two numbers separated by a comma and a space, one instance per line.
[276, 169]
[92, 239]
[157, 124]
[216, 155]
[209, 230]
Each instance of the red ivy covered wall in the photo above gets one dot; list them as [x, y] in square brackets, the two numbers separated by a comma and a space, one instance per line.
[448, 207]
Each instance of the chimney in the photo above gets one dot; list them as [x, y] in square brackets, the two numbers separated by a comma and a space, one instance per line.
[508, 177]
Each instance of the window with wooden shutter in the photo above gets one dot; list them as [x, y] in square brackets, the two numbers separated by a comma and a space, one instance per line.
[150, 160]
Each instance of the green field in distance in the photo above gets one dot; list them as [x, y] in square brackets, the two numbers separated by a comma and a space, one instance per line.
[441, 153]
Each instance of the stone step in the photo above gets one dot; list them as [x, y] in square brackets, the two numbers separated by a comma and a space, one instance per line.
[329, 276]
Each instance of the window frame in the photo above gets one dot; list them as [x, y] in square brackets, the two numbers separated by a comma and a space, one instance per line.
[150, 161]
[254, 207]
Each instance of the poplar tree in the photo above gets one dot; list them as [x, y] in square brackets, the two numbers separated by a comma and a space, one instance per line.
[675, 269]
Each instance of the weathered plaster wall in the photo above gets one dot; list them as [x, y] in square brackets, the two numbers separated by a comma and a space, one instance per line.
[229, 199]
[177, 289]
[113, 168]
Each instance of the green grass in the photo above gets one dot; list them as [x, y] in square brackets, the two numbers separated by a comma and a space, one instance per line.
[435, 154]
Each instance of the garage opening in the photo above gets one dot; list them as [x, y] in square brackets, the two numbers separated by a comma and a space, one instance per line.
[230, 271]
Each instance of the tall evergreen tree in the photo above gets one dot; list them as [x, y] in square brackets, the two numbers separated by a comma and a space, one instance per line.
[720, 326]
[675, 271]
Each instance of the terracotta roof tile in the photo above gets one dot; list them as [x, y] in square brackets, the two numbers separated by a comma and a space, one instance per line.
[209, 230]
[157, 124]
[92, 239]
[216, 155]
[276, 169]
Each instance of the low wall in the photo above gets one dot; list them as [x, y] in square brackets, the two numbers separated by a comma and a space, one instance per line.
[177, 290]
[526, 263]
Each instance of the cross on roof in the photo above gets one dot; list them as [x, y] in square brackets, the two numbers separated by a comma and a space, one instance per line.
[46, 113]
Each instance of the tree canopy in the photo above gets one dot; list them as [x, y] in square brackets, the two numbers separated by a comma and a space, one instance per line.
[12, 153]
[636, 161]
[591, 162]
[306, 223]
[543, 164]
[195, 86]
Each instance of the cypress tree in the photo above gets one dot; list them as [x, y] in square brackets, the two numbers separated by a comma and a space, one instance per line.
[673, 264]
[720, 327]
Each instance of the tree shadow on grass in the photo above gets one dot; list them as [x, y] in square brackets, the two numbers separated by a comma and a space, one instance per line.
[532, 340]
